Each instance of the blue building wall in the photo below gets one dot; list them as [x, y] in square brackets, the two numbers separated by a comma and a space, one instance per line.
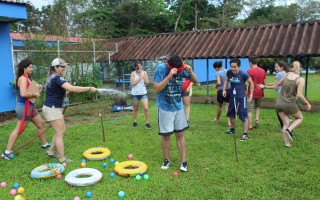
[13, 11]
[6, 90]
[206, 72]
[9, 12]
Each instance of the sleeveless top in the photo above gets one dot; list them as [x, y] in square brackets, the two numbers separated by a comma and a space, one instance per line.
[140, 88]
[288, 91]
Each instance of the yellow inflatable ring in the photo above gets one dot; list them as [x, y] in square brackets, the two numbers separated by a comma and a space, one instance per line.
[83, 177]
[47, 170]
[97, 153]
[130, 168]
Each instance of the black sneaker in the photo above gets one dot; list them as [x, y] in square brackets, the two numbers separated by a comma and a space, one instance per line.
[148, 126]
[134, 124]
[47, 145]
[289, 134]
[184, 166]
[8, 156]
[244, 137]
[230, 131]
[165, 165]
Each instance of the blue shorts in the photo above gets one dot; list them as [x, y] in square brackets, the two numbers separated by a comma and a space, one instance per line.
[241, 104]
[139, 97]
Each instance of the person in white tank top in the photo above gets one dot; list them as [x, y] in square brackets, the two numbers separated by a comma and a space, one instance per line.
[138, 81]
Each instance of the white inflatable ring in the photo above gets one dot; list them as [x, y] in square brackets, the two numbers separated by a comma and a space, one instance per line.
[130, 168]
[83, 177]
[47, 170]
[97, 153]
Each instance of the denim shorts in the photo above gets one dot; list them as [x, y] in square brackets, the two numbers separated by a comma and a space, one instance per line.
[139, 97]
[20, 112]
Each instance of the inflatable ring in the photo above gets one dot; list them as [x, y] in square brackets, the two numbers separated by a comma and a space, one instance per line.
[83, 177]
[130, 168]
[97, 153]
[47, 170]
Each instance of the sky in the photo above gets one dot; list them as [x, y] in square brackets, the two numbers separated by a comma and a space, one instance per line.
[40, 3]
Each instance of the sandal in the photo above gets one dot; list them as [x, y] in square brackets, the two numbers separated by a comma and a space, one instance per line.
[256, 124]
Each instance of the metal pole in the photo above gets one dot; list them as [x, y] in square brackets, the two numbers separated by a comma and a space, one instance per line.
[94, 54]
[207, 77]
[58, 43]
[307, 75]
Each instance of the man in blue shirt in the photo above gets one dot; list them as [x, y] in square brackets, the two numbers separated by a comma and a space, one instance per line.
[168, 86]
[238, 100]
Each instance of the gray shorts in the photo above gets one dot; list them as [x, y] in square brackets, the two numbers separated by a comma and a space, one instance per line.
[255, 103]
[170, 122]
[20, 112]
[52, 114]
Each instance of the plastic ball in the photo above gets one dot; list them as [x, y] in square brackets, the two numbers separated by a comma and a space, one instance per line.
[130, 156]
[121, 194]
[18, 197]
[175, 174]
[13, 192]
[105, 165]
[20, 190]
[83, 164]
[16, 185]
[58, 176]
[89, 194]
[76, 198]
[22, 198]
[112, 175]
[116, 163]
[138, 177]
[64, 164]
[3, 184]
[146, 177]
[112, 161]
[83, 160]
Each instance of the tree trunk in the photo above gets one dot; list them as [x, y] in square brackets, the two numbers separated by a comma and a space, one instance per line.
[179, 16]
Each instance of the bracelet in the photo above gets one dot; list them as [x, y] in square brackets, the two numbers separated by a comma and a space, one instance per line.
[265, 87]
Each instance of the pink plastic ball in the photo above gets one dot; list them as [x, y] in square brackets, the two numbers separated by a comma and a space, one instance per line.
[64, 164]
[13, 192]
[3, 184]
[130, 156]
[76, 198]
[175, 174]
[58, 176]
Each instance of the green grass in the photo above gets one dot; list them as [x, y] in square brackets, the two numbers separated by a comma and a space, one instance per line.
[266, 169]
[271, 95]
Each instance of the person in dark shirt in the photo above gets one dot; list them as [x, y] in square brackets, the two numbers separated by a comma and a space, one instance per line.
[56, 89]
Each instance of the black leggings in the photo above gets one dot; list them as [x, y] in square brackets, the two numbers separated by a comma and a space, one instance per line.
[280, 121]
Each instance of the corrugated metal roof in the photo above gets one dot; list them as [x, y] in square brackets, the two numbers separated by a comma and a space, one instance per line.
[273, 40]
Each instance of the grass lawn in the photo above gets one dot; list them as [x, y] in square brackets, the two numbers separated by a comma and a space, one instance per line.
[266, 169]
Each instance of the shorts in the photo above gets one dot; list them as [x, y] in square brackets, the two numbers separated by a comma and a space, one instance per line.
[241, 103]
[288, 109]
[139, 97]
[254, 103]
[52, 113]
[20, 112]
[170, 122]
[185, 93]
[221, 98]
